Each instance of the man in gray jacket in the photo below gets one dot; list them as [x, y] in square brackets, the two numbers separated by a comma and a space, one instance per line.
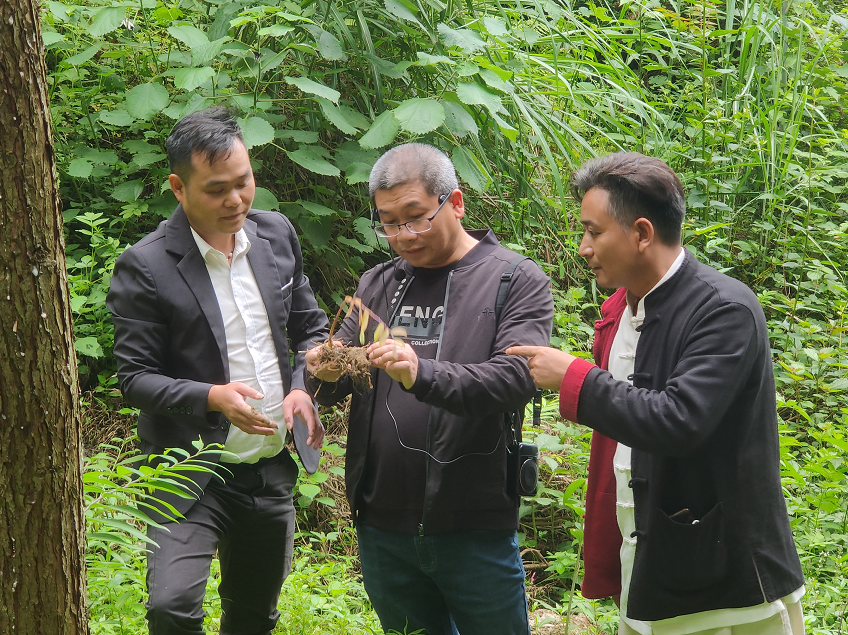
[427, 452]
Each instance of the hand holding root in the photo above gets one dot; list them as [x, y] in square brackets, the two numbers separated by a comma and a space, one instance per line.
[397, 358]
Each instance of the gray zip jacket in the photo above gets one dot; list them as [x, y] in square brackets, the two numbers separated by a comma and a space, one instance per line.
[470, 386]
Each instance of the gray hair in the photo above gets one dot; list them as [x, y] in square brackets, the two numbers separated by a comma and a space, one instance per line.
[411, 163]
[639, 187]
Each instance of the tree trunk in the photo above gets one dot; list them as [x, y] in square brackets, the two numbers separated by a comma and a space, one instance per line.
[42, 584]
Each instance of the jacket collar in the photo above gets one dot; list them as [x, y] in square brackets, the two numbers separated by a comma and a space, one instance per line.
[487, 242]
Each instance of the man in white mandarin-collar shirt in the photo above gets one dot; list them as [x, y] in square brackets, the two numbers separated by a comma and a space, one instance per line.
[686, 440]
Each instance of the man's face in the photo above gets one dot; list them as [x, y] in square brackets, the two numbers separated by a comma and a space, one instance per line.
[610, 250]
[217, 197]
[434, 248]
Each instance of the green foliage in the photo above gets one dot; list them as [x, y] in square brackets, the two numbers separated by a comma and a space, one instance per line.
[745, 99]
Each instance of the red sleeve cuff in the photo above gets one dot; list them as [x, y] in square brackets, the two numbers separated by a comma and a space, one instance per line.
[569, 390]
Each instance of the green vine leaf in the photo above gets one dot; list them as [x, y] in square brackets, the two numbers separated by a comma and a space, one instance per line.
[314, 88]
[106, 20]
[465, 39]
[472, 94]
[382, 132]
[190, 78]
[458, 120]
[311, 158]
[256, 132]
[146, 100]
[419, 116]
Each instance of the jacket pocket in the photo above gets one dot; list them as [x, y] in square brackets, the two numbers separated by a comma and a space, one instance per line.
[687, 556]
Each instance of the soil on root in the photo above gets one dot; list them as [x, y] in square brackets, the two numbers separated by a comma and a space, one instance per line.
[350, 360]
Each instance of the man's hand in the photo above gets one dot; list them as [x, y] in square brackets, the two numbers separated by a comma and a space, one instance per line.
[397, 358]
[229, 399]
[298, 402]
[547, 365]
[312, 364]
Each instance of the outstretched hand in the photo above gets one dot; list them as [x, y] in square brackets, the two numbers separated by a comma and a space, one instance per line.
[298, 402]
[229, 399]
[547, 365]
[397, 358]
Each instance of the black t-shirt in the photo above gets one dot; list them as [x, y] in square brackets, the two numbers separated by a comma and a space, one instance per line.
[394, 479]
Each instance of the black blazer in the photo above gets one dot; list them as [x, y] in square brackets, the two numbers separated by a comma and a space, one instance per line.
[170, 344]
[702, 422]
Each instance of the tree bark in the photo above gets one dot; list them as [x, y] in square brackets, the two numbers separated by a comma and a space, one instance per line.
[42, 583]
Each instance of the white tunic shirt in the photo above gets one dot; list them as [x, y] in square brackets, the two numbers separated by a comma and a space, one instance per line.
[621, 365]
[250, 346]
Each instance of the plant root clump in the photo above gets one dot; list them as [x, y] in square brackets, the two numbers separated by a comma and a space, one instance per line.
[350, 360]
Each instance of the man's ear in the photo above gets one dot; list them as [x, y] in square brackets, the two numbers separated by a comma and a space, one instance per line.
[645, 233]
[177, 187]
[457, 202]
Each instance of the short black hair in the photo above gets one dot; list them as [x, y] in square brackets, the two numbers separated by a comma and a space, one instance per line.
[639, 187]
[212, 133]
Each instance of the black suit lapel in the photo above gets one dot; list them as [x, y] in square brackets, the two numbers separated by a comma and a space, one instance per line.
[179, 241]
[263, 263]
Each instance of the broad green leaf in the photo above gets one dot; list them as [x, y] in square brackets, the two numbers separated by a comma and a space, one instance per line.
[59, 11]
[115, 117]
[472, 93]
[316, 232]
[77, 302]
[257, 132]
[458, 120]
[265, 199]
[88, 346]
[470, 169]
[467, 69]
[425, 59]
[191, 78]
[51, 37]
[179, 110]
[465, 39]
[494, 80]
[310, 157]
[354, 117]
[364, 229]
[317, 209]
[276, 30]
[204, 53]
[106, 20]
[298, 136]
[314, 88]
[508, 131]
[495, 27]
[335, 116]
[351, 152]
[419, 116]
[191, 36]
[146, 100]
[382, 132]
[143, 159]
[82, 58]
[358, 172]
[129, 191]
[326, 500]
[330, 48]
[80, 168]
[309, 490]
[355, 244]
[403, 11]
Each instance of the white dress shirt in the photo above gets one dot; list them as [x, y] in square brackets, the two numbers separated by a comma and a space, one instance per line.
[250, 346]
[621, 365]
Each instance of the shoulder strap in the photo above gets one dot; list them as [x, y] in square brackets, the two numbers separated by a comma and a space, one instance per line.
[503, 288]
[514, 420]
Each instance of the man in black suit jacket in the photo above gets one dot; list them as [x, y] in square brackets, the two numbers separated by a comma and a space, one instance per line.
[202, 308]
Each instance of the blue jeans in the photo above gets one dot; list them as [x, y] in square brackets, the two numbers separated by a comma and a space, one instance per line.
[468, 582]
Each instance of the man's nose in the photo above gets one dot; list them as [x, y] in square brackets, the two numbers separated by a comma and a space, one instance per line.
[584, 250]
[233, 199]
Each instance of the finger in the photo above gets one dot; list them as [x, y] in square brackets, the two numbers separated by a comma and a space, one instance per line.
[524, 351]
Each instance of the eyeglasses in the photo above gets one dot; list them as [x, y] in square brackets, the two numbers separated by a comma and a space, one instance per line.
[417, 226]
